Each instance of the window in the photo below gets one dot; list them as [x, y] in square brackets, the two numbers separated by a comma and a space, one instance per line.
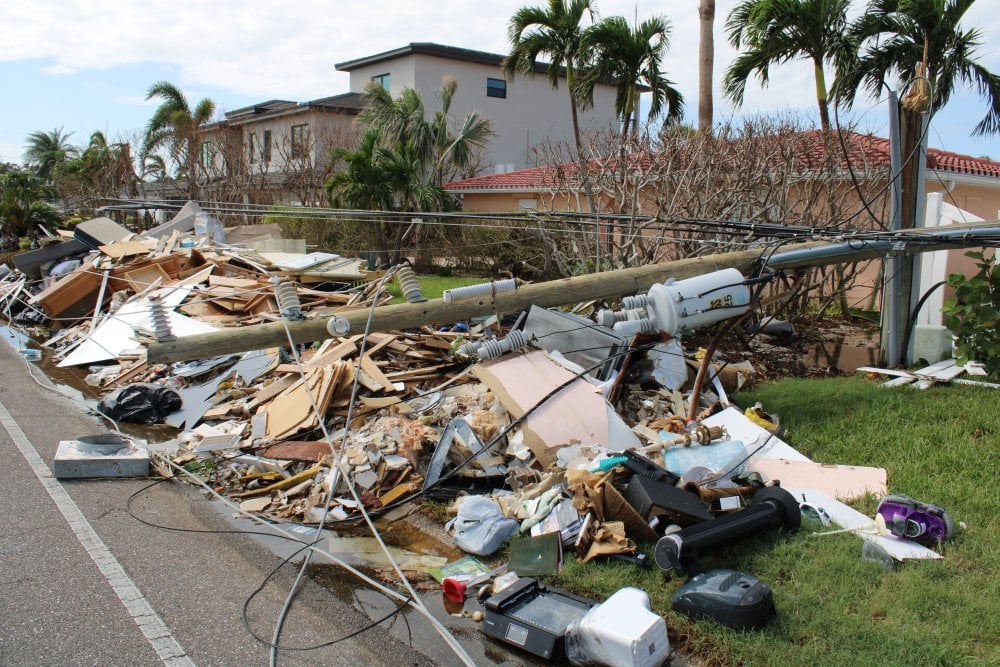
[265, 149]
[381, 80]
[207, 155]
[260, 147]
[300, 138]
[496, 88]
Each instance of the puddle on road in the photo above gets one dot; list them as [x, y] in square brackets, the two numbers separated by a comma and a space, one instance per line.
[15, 339]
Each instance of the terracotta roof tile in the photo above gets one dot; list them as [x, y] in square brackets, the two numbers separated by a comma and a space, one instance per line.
[862, 148]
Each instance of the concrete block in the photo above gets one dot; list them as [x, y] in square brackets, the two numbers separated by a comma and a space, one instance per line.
[100, 456]
[931, 343]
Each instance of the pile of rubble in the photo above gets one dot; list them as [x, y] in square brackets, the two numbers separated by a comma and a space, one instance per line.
[595, 434]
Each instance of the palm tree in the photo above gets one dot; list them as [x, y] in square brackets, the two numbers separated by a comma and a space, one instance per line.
[773, 32]
[101, 170]
[553, 32]
[630, 58]
[706, 63]
[22, 202]
[175, 125]
[47, 150]
[440, 150]
[154, 168]
[922, 44]
[375, 177]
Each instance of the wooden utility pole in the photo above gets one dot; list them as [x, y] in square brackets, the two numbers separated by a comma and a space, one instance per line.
[435, 312]
[610, 284]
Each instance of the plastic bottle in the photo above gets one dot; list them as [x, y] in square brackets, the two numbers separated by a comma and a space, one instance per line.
[727, 456]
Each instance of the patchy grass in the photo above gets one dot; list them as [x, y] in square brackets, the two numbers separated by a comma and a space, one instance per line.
[432, 286]
[940, 446]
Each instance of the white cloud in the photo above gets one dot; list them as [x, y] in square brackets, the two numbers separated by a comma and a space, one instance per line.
[266, 49]
[60, 69]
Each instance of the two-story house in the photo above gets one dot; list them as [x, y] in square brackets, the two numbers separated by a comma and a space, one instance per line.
[526, 112]
[277, 151]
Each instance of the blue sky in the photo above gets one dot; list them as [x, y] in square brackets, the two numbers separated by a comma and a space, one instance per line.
[85, 65]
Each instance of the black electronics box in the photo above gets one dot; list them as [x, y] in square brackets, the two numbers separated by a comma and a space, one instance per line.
[651, 498]
[534, 617]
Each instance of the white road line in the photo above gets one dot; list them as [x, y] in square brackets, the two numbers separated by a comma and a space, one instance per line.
[151, 626]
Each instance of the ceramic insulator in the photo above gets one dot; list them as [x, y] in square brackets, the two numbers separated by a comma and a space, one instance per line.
[476, 291]
[636, 301]
[159, 321]
[515, 340]
[607, 318]
[633, 327]
[288, 300]
[408, 283]
[469, 349]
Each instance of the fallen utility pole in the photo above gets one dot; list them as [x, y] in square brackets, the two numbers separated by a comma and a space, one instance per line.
[435, 311]
[610, 284]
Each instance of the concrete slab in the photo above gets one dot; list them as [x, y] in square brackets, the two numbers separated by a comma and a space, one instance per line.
[100, 456]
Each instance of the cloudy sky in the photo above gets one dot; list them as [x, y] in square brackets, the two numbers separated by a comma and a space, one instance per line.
[84, 65]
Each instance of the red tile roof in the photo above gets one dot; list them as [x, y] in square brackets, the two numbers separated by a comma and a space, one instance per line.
[862, 148]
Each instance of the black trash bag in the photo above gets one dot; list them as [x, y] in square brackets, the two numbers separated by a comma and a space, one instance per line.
[140, 403]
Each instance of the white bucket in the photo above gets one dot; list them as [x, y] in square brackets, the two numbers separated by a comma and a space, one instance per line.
[696, 302]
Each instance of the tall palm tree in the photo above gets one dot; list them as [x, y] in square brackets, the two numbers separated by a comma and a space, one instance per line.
[631, 57]
[554, 32]
[922, 44]
[706, 63]
[773, 32]
[47, 150]
[175, 126]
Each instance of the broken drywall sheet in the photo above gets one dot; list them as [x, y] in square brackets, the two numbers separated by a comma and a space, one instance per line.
[115, 333]
[840, 481]
[576, 414]
[741, 428]
[194, 402]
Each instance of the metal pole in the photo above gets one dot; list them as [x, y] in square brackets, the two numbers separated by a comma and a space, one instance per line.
[893, 281]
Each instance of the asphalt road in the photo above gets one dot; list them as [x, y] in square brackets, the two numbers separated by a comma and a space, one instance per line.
[101, 588]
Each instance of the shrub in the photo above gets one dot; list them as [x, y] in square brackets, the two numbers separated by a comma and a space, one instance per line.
[974, 313]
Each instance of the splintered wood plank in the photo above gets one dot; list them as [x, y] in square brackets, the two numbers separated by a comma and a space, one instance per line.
[375, 373]
[275, 388]
[293, 409]
[121, 249]
[422, 372]
[347, 348]
[239, 283]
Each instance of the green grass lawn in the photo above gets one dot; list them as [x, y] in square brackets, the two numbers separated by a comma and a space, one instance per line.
[939, 446]
[432, 286]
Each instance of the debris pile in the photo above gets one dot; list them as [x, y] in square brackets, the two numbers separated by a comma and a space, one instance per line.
[554, 431]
